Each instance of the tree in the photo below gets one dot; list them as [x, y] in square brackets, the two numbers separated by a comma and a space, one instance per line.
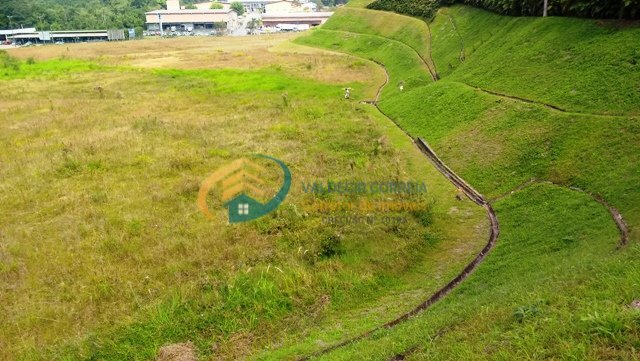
[237, 7]
[253, 25]
[216, 5]
[190, 7]
[76, 14]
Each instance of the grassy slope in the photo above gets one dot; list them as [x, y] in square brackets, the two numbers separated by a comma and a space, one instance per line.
[408, 68]
[496, 144]
[410, 31]
[102, 185]
[554, 287]
[461, 231]
[579, 65]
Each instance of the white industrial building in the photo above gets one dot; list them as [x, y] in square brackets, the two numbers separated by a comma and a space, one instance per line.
[190, 21]
[31, 35]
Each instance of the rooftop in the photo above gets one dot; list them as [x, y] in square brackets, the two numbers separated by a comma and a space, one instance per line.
[308, 14]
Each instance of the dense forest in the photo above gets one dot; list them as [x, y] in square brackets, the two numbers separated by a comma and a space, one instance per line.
[75, 14]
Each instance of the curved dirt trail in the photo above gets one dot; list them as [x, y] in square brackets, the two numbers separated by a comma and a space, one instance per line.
[477, 198]
[472, 194]
[435, 77]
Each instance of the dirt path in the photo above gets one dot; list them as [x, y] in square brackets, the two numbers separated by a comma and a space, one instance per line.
[435, 77]
[480, 200]
[472, 194]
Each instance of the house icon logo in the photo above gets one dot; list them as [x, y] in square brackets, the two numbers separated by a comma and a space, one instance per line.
[242, 184]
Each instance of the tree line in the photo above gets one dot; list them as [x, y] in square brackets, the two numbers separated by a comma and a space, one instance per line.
[76, 14]
[86, 14]
[600, 9]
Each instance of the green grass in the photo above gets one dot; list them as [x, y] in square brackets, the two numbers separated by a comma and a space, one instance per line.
[407, 68]
[579, 65]
[555, 287]
[105, 255]
[11, 68]
[410, 31]
[498, 143]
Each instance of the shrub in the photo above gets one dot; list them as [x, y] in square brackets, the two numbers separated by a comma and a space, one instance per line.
[419, 8]
[523, 313]
[237, 7]
[9, 62]
[580, 8]
[330, 245]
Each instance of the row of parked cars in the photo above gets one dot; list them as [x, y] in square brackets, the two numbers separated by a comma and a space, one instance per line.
[28, 43]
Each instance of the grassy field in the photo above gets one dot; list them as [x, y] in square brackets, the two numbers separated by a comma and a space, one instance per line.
[103, 252]
[555, 287]
[104, 255]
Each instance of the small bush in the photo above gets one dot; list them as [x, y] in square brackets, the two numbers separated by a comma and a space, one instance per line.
[330, 246]
[69, 168]
[523, 313]
[237, 7]
[430, 239]
[324, 246]
[424, 216]
[8, 62]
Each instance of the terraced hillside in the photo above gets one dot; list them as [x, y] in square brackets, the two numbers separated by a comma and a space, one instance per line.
[542, 117]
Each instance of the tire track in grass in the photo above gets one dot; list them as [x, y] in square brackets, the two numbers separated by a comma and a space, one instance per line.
[543, 104]
[621, 224]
